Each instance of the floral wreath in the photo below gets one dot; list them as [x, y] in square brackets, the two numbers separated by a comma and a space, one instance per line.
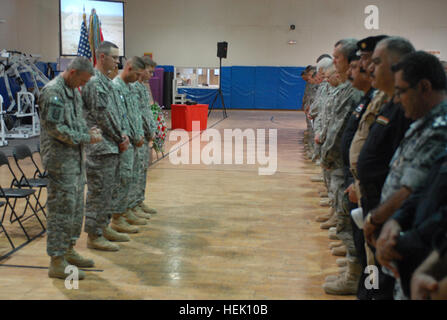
[162, 128]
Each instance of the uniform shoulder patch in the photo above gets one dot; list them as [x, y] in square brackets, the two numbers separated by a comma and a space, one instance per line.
[382, 120]
[55, 113]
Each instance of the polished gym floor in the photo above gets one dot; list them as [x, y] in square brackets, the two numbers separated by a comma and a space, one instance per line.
[221, 232]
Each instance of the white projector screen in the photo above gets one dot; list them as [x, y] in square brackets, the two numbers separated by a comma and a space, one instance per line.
[110, 14]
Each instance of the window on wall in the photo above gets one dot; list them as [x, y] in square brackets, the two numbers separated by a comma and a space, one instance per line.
[201, 77]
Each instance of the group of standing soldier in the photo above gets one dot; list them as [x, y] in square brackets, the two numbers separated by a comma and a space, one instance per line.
[377, 124]
[98, 135]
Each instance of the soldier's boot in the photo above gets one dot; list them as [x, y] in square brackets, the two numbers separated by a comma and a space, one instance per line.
[101, 243]
[335, 244]
[325, 217]
[325, 202]
[332, 222]
[317, 178]
[74, 258]
[147, 209]
[120, 224]
[57, 269]
[112, 235]
[334, 277]
[141, 214]
[323, 194]
[347, 284]
[333, 233]
[339, 251]
[341, 262]
[132, 219]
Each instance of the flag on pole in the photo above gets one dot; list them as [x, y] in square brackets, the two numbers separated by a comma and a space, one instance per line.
[84, 45]
[95, 33]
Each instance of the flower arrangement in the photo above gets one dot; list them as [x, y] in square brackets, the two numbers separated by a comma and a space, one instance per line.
[161, 132]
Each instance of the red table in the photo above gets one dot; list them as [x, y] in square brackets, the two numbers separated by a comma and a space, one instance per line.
[183, 115]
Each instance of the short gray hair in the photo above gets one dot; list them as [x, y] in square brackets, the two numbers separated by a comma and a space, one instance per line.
[81, 64]
[397, 46]
[137, 63]
[324, 64]
[348, 47]
[105, 47]
[148, 61]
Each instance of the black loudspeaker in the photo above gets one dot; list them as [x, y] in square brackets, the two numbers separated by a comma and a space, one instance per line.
[222, 48]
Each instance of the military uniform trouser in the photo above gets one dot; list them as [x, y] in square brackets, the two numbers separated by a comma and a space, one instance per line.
[65, 211]
[344, 228]
[124, 180]
[135, 182]
[102, 171]
[327, 182]
[144, 159]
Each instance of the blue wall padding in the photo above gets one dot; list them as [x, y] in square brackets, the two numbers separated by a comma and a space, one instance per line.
[291, 88]
[266, 93]
[167, 68]
[42, 66]
[4, 93]
[26, 77]
[243, 87]
[255, 88]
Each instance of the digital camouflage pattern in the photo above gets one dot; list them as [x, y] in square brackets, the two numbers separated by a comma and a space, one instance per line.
[129, 174]
[424, 141]
[346, 99]
[64, 133]
[101, 106]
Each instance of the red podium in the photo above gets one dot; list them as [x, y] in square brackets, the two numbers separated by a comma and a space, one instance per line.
[183, 115]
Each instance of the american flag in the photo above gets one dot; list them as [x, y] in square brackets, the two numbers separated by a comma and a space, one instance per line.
[84, 44]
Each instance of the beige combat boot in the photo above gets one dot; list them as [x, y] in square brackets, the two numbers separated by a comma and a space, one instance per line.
[317, 178]
[140, 213]
[101, 243]
[57, 269]
[120, 224]
[112, 235]
[339, 251]
[333, 233]
[334, 277]
[335, 244]
[342, 262]
[324, 194]
[74, 258]
[347, 284]
[332, 222]
[325, 202]
[147, 209]
[132, 219]
[325, 217]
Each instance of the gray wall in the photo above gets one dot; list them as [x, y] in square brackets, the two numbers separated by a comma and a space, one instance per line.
[185, 32]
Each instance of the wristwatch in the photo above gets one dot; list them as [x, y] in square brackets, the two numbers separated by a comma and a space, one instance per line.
[370, 220]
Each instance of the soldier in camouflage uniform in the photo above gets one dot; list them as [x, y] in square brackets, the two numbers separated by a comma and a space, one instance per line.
[101, 110]
[63, 136]
[133, 127]
[420, 84]
[321, 125]
[331, 158]
[149, 127]
[306, 76]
